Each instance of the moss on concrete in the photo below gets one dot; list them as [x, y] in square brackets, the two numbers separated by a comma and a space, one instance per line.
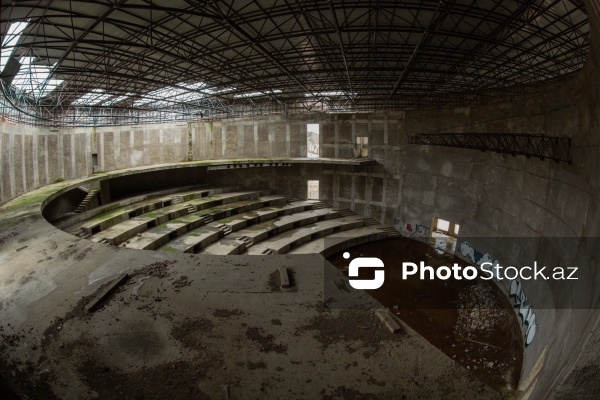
[105, 216]
[169, 249]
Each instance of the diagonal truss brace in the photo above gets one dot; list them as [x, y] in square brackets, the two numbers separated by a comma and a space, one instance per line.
[551, 147]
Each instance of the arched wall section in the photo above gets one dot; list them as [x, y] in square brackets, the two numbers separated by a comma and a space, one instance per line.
[489, 194]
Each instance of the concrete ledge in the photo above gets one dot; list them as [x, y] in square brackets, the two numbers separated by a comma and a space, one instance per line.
[341, 240]
[283, 242]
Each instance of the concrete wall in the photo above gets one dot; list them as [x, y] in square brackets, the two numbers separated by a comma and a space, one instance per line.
[33, 157]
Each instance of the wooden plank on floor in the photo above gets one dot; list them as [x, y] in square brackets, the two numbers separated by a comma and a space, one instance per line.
[103, 295]
[387, 318]
[284, 277]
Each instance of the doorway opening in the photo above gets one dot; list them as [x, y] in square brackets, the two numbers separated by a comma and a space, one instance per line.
[312, 190]
[312, 140]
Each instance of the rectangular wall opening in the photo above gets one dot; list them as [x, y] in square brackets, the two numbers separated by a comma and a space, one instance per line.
[313, 190]
[444, 236]
[312, 140]
[361, 146]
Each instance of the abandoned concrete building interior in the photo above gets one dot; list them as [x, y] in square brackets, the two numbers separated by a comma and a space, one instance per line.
[328, 199]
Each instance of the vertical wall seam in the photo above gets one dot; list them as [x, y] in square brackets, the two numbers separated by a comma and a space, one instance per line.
[61, 155]
[34, 160]
[287, 139]
[73, 157]
[24, 162]
[11, 164]
[255, 125]
[46, 162]
[101, 151]
[2, 198]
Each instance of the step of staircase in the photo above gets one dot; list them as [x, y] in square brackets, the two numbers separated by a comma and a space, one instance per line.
[83, 234]
[225, 230]
[320, 205]
[345, 212]
[245, 240]
[206, 218]
[371, 221]
[390, 231]
[86, 200]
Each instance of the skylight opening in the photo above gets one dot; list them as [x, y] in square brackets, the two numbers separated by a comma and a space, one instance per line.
[333, 93]
[184, 93]
[256, 94]
[10, 41]
[35, 80]
[117, 99]
[225, 90]
[93, 98]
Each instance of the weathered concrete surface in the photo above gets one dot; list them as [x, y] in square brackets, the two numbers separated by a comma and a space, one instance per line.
[186, 326]
[487, 194]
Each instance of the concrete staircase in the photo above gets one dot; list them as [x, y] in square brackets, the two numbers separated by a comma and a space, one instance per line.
[86, 200]
[390, 231]
[244, 239]
[206, 218]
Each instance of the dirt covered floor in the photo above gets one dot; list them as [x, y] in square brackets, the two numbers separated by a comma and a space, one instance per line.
[182, 326]
[470, 321]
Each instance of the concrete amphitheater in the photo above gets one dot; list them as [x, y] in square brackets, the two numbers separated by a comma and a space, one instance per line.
[144, 255]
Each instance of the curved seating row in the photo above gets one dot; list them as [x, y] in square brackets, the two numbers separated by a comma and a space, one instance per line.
[227, 221]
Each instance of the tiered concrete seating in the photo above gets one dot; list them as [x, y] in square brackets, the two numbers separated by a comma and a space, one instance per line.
[219, 221]
[111, 214]
[123, 231]
[283, 242]
[241, 221]
[160, 235]
[202, 238]
[339, 241]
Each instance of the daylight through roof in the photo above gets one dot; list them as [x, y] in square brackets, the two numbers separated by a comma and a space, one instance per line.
[72, 63]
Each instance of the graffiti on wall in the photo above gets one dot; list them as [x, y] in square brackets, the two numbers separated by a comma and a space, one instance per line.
[515, 291]
[417, 229]
[412, 229]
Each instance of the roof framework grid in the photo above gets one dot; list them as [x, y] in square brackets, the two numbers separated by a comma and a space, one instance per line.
[99, 62]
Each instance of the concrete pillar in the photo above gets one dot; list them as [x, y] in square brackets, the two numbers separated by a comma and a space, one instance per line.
[24, 160]
[336, 132]
[255, 139]
[287, 139]
[271, 137]
[46, 161]
[101, 151]
[74, 156]
[35, 156]
[11, 163]
[2, 198]
[61, 155]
